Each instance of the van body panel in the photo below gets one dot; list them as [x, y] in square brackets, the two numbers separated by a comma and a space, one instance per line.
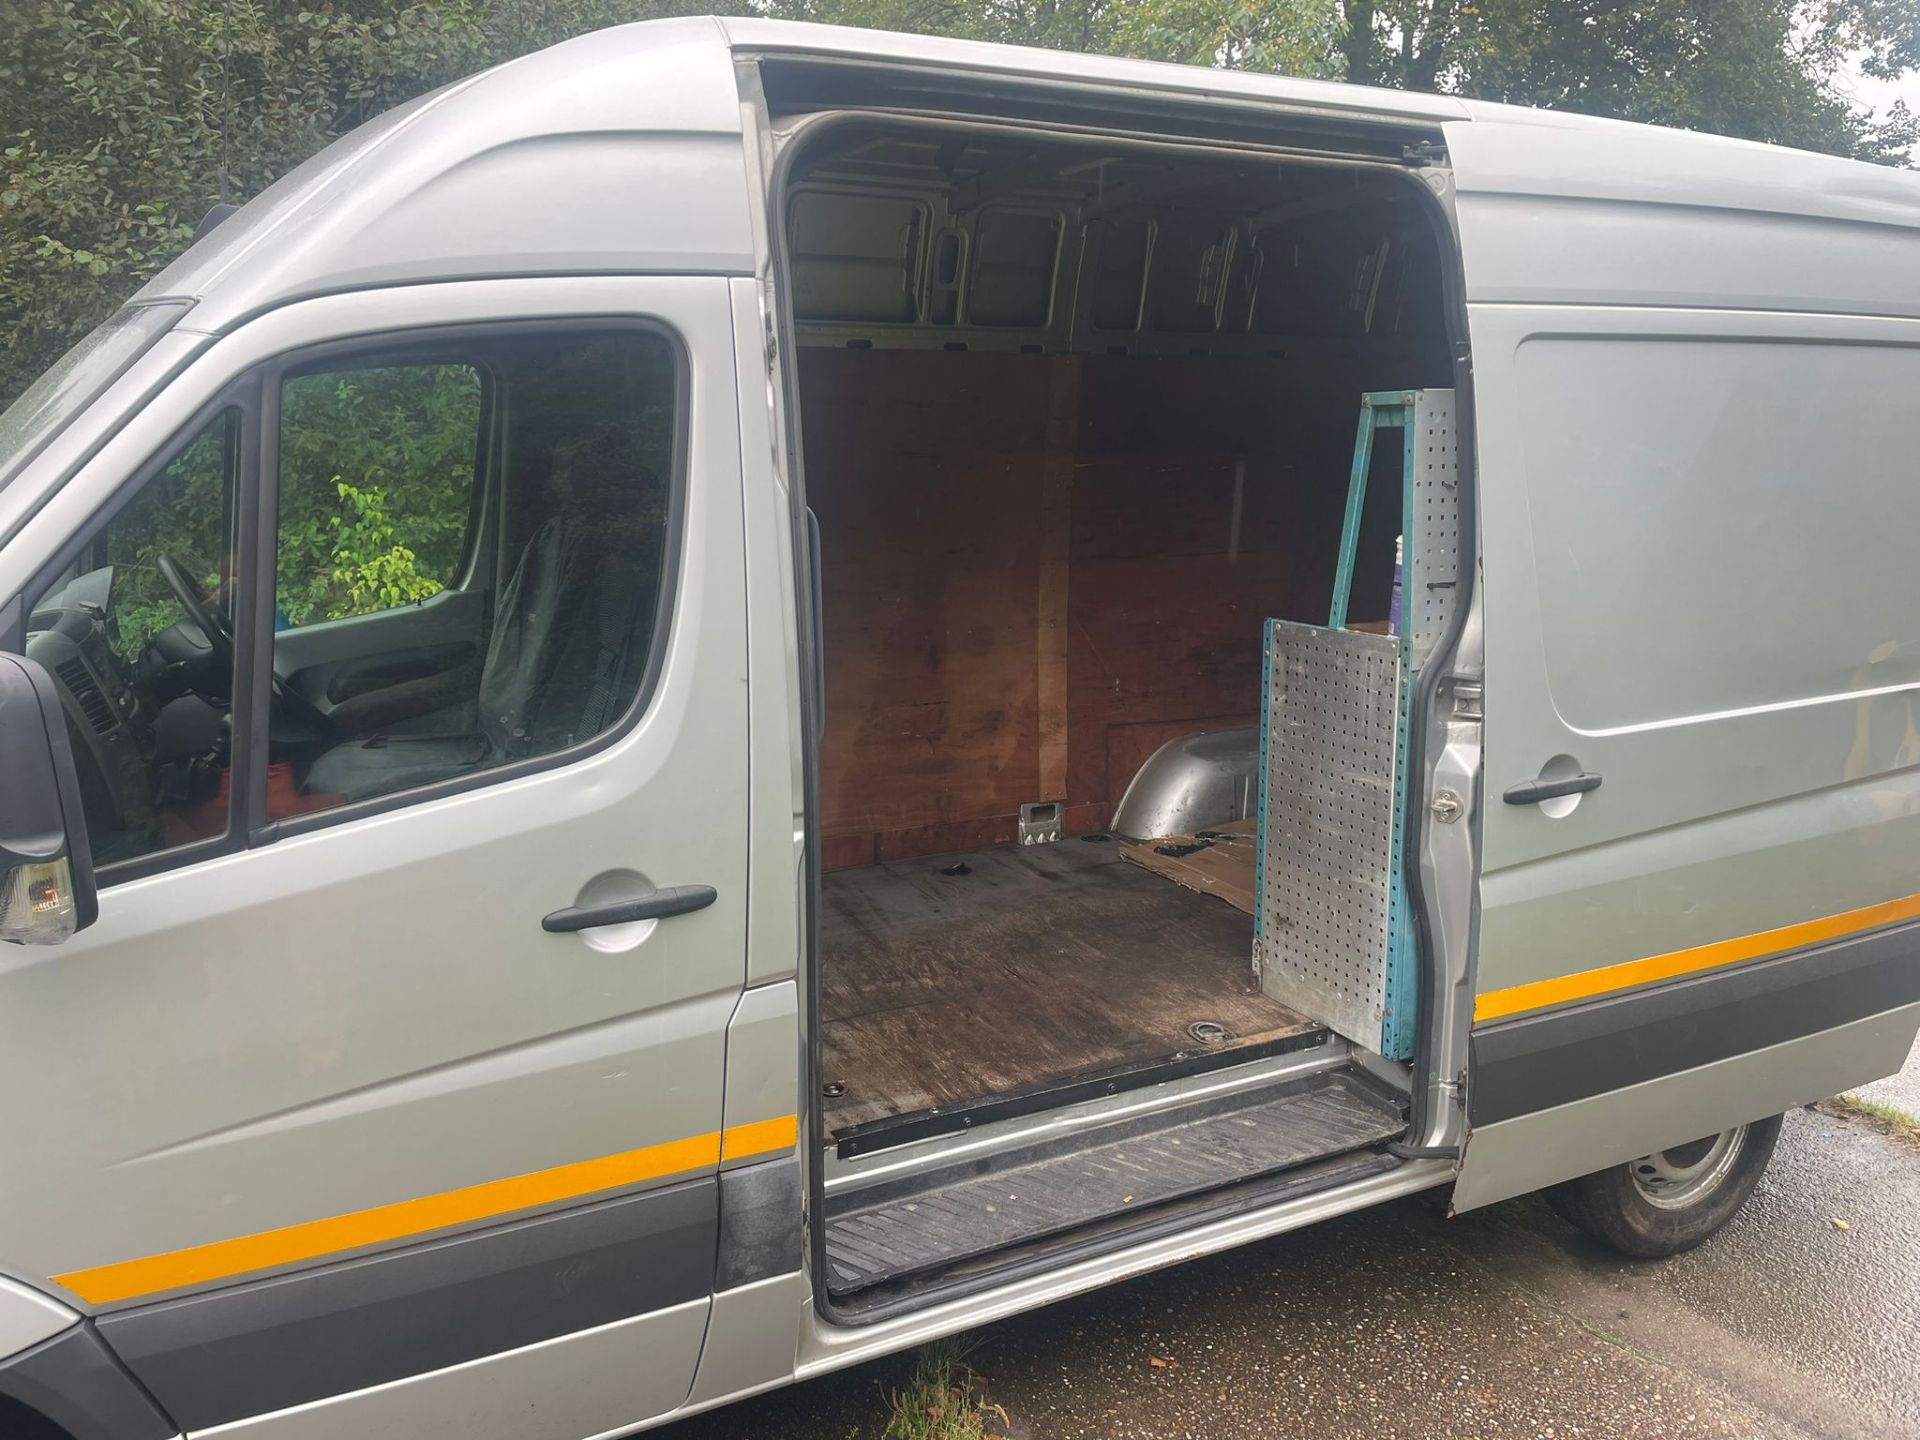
[776, 768]
[1572, 210]
[763, 1072]
[1783, 790]
[1733, 877]
[1515, 1156]
[27, 1317]
[615, 152]
[750, 1340]
[1749, 698]
[761, 1233]
[762, 1230]
[251, 1349]
[589, 1384]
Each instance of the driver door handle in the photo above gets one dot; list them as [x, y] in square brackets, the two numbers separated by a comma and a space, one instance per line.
[674, 900]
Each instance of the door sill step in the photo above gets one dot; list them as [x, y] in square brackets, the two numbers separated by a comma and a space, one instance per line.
[873, 1136]
[941, 1222]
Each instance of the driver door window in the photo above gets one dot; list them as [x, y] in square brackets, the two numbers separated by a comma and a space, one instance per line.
[138, 633]
[449, 656]
[468, 573]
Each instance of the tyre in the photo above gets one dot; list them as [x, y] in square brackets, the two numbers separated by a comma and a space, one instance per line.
[1673, 1199]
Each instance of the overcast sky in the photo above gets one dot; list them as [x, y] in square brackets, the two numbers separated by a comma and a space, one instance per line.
[1881, 93]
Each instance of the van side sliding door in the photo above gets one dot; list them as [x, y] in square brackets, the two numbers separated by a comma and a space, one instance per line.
[1700, 902]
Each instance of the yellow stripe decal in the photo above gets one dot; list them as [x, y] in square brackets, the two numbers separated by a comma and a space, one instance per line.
[406, 1219]
[761, 1137]
[1495, 1004]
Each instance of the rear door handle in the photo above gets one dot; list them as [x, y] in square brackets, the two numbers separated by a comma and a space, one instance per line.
[1532, 792]
[674, 900]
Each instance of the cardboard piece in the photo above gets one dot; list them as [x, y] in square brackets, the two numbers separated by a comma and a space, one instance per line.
[1223, 865]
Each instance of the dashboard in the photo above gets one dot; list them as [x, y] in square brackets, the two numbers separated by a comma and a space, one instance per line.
[140, 728]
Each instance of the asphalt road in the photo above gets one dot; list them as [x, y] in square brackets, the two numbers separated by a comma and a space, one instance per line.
[1399, 1323]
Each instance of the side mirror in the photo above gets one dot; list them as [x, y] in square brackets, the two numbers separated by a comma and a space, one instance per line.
[46, 869]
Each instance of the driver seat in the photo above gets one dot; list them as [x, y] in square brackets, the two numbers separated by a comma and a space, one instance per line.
[558, 670]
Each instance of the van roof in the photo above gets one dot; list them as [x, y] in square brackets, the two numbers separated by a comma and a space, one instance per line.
[621, 151]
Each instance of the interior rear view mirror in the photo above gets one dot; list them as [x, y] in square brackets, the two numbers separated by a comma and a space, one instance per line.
[46, 870]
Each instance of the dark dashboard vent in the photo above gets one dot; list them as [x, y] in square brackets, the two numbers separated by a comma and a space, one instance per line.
[80, 684]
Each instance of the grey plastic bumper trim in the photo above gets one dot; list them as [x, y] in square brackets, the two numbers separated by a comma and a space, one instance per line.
[1540, 1061]
[274, 1343]
[75, 1381]
[760, 1230]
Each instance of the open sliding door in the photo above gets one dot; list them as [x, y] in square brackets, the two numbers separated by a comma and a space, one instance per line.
[1701, 825]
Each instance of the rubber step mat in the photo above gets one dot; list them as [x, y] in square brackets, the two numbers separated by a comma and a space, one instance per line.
[976, 1214]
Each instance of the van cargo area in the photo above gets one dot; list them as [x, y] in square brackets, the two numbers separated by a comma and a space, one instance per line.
[1078, 419]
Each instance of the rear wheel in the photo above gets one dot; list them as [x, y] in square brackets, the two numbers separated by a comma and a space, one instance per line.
[1673, 1199]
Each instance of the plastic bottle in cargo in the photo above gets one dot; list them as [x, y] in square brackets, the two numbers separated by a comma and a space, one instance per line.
[1393, 615]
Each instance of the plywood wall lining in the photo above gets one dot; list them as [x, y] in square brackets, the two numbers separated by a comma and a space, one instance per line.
[1038, 568]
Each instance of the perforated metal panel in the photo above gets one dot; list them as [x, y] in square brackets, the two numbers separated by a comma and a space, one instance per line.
[1433, 531]
[1327, 808]
[1432, 580]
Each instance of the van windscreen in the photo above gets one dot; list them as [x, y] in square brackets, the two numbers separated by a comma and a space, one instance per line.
[45, 407]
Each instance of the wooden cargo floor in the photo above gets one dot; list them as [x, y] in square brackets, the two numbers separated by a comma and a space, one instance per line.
[1036, 964]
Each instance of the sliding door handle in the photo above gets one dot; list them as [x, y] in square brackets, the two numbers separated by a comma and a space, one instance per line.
[675, 900]
[1532, 792]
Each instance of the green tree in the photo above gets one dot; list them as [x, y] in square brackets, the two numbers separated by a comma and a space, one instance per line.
[123, 121]
[1085, 25]
[1289, 37]
[376, 485]
[1292, 36]
[1759, 69]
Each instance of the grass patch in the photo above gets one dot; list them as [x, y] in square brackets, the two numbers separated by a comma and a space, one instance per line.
[1889, 1121]
[943, 1399]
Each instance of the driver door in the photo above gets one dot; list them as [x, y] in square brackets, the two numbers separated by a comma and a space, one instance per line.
[347, 1115]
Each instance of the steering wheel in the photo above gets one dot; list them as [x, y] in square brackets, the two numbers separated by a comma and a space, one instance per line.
[219, 636]
[211, 624]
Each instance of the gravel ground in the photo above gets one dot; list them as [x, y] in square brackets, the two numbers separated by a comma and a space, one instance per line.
[1901, 1091]
[1399, 1323]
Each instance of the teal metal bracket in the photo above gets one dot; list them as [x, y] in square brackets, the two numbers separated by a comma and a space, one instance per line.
[1379, 410]
[1429, 534]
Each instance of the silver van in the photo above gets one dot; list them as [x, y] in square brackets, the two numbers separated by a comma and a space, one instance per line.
[741, 694]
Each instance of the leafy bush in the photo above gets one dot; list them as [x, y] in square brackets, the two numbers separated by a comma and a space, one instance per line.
[375, 569]
[376, 481]
[122, 122]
